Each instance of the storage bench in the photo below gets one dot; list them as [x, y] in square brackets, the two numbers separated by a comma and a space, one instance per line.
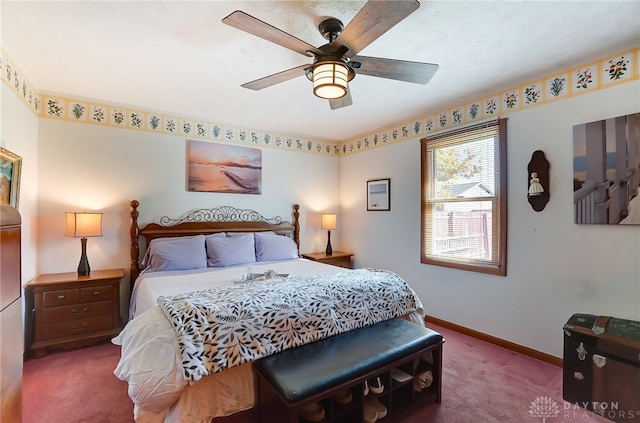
[314, 373]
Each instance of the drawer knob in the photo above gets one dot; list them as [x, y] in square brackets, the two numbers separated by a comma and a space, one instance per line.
[61, 297]
[77, 329]
[96, 292]
[79, 313]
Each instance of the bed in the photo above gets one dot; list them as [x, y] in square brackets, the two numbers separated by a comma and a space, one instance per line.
[218, 288]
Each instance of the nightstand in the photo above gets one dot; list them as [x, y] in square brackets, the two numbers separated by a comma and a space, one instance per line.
[338, 258]
[70, 311]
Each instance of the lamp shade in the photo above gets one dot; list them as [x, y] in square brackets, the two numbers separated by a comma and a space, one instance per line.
[328, 221]
[82, 224]
[330, 80]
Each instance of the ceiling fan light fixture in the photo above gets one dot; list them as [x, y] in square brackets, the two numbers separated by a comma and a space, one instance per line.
[330, 79]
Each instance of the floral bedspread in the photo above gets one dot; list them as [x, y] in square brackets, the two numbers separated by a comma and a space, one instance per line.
[234, 324]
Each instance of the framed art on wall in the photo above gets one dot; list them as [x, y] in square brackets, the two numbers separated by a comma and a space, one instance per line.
[10, 167]
[214, 167]
[379, 195]
[606, 171]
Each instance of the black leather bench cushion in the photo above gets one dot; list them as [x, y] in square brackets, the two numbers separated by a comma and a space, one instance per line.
[301, 372]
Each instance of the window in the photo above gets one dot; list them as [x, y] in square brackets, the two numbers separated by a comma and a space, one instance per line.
[464, 198]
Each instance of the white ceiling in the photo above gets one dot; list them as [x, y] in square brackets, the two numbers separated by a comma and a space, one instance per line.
[177, 57]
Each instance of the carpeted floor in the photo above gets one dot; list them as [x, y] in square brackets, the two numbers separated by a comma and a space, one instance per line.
[75, 386]
[482, 383]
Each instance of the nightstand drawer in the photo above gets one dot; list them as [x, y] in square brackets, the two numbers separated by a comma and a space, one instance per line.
[77, 311]
[96, 293]
[337, 258]
[74, 328]
[339, 261]
[60, 297]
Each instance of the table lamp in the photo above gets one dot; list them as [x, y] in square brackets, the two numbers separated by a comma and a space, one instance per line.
[328, 222]
[82, 225]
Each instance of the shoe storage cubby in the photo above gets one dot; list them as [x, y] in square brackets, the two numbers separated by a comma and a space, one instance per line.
[324, 382]
[399, 395]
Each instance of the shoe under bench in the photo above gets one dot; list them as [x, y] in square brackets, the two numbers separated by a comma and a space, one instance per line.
[292, 379]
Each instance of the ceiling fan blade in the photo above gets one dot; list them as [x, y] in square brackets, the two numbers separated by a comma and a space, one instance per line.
[342, 101]
[373, 20]
[276, 78]
[248, 23]
[401, 70]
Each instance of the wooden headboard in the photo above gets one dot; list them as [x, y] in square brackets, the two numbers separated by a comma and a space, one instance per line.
[205, 222]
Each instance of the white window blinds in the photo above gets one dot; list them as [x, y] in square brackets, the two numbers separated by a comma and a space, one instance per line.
[464, 198]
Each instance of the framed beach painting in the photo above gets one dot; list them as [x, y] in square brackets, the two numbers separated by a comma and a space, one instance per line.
[606, 171]
[10, 167]
[214, 167]
[379, 195]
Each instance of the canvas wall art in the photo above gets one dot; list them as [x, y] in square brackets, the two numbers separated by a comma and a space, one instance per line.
[214, 167]
[10, 167]
[606, 171]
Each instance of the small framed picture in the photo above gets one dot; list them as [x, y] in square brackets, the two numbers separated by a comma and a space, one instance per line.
[10, 166]
[379, 195]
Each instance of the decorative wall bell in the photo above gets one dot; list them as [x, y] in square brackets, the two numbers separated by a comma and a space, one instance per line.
[538, 177]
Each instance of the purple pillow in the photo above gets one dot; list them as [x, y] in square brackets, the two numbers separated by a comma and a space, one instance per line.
[230, 250]
[179, 253]
[248, 233]
[216, 235]
[270, 247]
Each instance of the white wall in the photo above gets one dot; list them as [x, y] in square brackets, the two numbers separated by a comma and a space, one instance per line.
[555, 268]
[86, 167]
[19, 134]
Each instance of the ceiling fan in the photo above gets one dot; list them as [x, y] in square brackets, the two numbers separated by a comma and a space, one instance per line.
[337, 63]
